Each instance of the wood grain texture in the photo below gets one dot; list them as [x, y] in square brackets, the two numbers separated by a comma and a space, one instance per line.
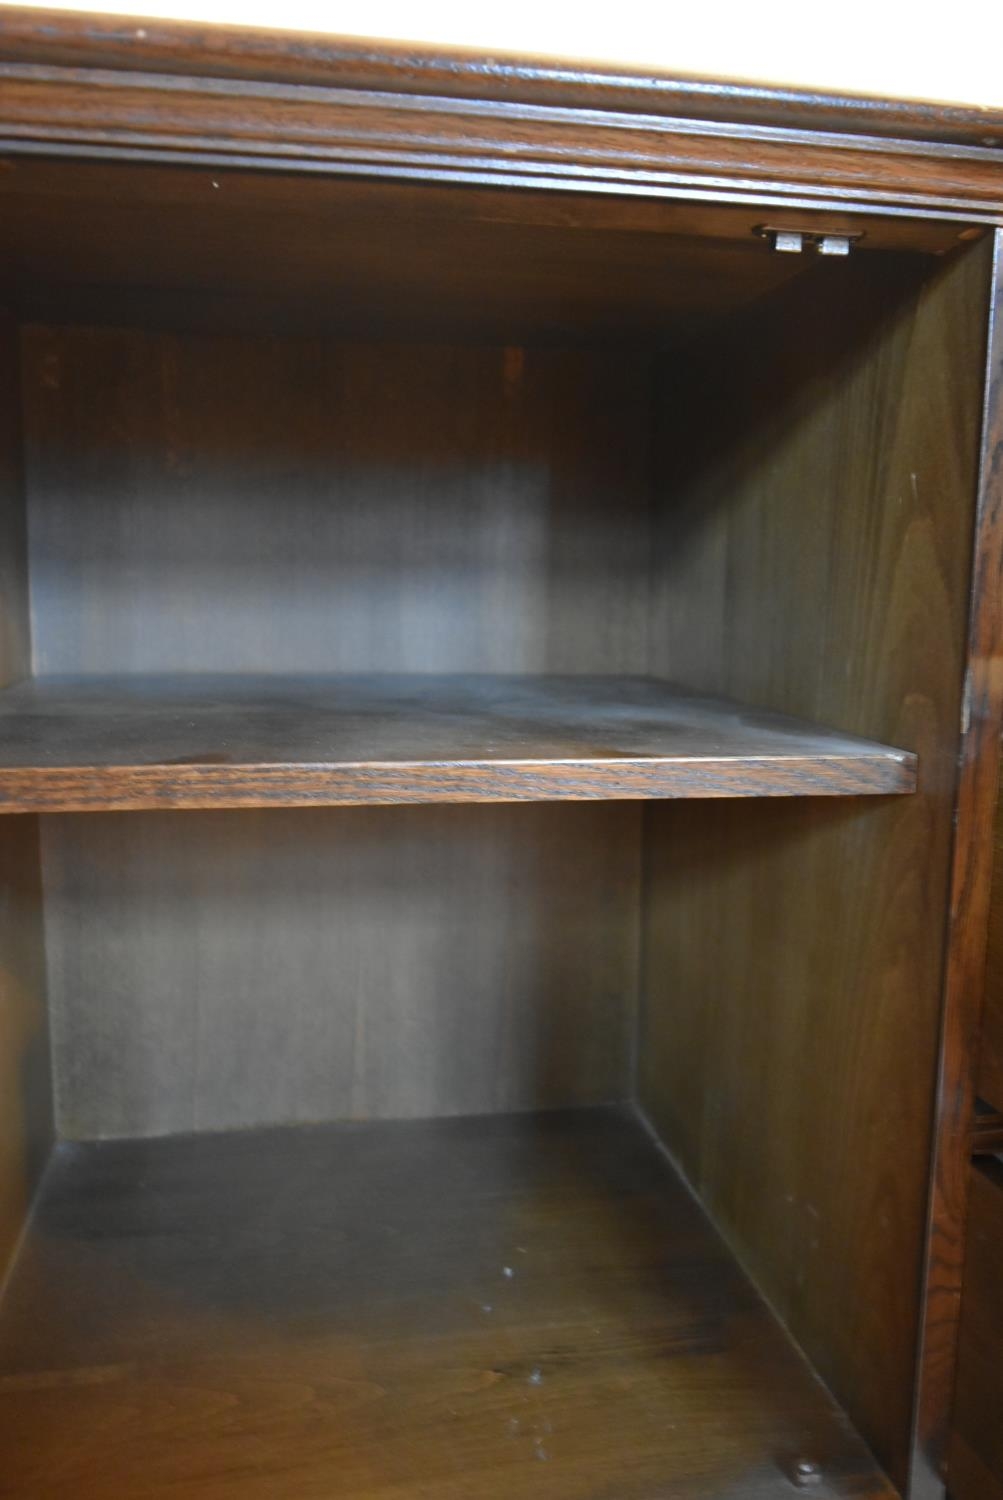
[202, 741]
[794, 962]
[968, 916]
[84, 241]
[975, 1464]
[270, 505]
[25, 1082]
[169, 111]
[96, 40]
[26, 1112]
[286, 506]
[227, 969]
[987, 1130]
[989, 1082]
[970, 1479]
[15, 642]
[451, 511]
[472, 1309]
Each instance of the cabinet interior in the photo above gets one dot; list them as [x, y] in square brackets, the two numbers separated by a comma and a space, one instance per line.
[491, 468]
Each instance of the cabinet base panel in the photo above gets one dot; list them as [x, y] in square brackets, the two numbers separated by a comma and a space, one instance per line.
[471, 1309]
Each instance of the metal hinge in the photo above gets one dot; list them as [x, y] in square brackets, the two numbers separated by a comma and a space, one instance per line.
[793, 241]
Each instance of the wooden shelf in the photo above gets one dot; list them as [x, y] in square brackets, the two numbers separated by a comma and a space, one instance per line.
[77, 745]
[471, 1309]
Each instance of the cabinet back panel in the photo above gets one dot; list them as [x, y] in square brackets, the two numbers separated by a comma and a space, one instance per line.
[227, 504]
[232, 504]
[211, 970]
[814, 556]
[25, 1082]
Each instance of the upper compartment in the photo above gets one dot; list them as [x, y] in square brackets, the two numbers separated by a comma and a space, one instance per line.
[286, 438]
[217, 247]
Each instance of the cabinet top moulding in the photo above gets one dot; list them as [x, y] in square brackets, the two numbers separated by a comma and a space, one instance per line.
[101, 86]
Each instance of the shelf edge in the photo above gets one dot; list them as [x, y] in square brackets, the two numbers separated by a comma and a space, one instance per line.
[138, 788]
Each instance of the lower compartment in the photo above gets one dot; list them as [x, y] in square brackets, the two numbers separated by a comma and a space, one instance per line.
[464, 1309]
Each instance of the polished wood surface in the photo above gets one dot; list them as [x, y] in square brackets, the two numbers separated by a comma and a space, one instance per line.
[989, 1083]
[73, 84]
[968, 914]
[37, 35]
[25, 1080]
[794, 955]
[975, 1465]
[812, 436]
[476, 1309]
[231, 969]
[91, 744]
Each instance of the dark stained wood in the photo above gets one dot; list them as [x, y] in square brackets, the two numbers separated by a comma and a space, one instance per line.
[15, 643]
[37, 35]
[309, 506]
[26, 1112]
[233, 969]
[531, 1305]
[794, 955]
[975, 1463]
[968, 918]
[25, 1081]
[283, 506]
[479, 129]
[987, 1130]
[989, 1084]
[486, 511]
[970, 1479]
[203, 741]
[358, 533]
[85, 241]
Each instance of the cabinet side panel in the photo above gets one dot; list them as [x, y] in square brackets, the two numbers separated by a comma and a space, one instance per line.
[976, 1449]
[214, 970]
[990, 1072]
[25, 1077]
[25, 1091]
[814, 557]
[965, 976]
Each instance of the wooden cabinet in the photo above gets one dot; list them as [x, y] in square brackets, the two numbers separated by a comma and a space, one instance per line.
[500, 635]
[976, 1451]
[989, 1075]
[976, 1454]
